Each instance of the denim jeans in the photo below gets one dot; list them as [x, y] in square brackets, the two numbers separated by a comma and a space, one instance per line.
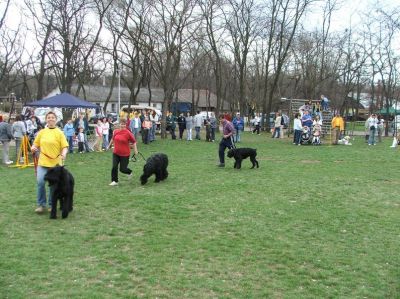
[152, 133]
[41, 187]
[297, 136]
[105, 141]
[86, 143]
[237, 136]
[197, 132]
[212, 134]
[371, 139]
[70, 140]
[136, 133]
[277, 133]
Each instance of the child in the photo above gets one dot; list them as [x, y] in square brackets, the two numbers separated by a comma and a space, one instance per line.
[81, 139]
[316, 133]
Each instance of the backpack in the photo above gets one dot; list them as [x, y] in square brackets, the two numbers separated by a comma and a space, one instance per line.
[282, 120]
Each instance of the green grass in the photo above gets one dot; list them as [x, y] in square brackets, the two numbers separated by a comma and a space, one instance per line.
[311, 222]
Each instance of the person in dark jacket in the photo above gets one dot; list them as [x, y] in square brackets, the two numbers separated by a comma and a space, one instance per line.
[171, 124]
[181, 125]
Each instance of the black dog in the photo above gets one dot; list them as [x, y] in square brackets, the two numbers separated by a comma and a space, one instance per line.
[157, 165]
[62, 184]
[242, 153]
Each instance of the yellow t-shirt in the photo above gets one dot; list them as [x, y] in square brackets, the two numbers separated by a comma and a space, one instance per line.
[50, 142]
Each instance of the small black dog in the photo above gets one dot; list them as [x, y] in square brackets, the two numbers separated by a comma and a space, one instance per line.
[242, 153]
[62, 183]
[157, 165]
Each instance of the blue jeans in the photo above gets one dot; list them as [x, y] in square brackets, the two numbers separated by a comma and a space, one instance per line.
[197, 132]
[136, 133]
[277, 132]
[237, 136]
[152, 132]
[105, 141]
[70, 140]
[41, 187]
[297, 136]
[371, 139]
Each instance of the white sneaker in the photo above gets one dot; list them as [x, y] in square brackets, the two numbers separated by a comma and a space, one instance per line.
[9, 162]
[130, 176]
[113, 183]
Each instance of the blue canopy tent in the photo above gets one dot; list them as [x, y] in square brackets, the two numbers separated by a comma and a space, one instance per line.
[64, 100]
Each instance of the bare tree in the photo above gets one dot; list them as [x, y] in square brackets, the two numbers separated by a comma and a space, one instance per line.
[172, 28]
[283, 23]
[243, 24]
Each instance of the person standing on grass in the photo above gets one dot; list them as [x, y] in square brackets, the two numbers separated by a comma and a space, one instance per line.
[372, 126]
[238, 124]
[380, 127]
[256, 124]
[171, 124]
[226, 142]
[98, 131]
[106, 127]
[213, 126]
[146, 127]
[18, 131]
[181, 125]
[154, 118]
[277, 125]
[198, 121]
[81, 122]
[69, 132]
[189, 126]
[81, 140]
[53, 148]
[5, 139]
[298, 129]
[337, 128]
[135, 125]
[123, 141]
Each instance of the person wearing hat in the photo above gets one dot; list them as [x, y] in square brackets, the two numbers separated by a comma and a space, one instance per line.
[238, 124]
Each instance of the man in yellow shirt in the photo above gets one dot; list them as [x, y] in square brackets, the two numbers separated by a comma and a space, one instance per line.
[337, 128]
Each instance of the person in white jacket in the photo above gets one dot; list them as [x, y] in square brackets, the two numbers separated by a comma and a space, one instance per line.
[372, 126]
[198, 122]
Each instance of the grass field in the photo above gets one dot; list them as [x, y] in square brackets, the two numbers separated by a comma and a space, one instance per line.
[311, 222]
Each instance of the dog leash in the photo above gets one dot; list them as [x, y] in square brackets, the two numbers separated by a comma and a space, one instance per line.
[134, 158]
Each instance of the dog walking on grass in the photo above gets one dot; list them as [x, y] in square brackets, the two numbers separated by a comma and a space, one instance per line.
[243, 153]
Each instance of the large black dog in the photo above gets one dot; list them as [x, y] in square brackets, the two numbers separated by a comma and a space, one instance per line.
[157, 165]
[62, 184]
[242, 153]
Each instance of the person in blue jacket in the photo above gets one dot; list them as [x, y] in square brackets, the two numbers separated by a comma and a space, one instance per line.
[238, 124]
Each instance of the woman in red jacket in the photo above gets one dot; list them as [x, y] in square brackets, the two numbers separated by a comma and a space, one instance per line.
[123, 141]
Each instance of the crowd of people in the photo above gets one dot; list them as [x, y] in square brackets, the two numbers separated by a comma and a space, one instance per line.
[51, 144]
